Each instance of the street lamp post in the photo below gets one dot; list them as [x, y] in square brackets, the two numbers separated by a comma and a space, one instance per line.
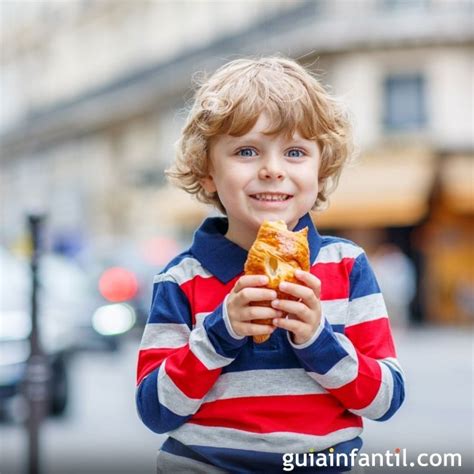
[38, 371]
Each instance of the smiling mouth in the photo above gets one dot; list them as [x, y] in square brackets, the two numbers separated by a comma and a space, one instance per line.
[271, 197]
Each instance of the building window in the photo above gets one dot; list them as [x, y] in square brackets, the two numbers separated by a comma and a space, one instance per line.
[404, 107]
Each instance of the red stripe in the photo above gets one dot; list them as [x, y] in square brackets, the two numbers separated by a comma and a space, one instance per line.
[205, 294]
[334, 278]
[372, 338]
[306, 414]
[189, 374]
[149, 360]
[363, 389]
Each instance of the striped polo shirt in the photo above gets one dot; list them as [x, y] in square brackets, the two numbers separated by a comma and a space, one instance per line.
[239, 406]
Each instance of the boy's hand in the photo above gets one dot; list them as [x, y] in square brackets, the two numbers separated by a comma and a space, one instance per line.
[240, 313]
[304, 315]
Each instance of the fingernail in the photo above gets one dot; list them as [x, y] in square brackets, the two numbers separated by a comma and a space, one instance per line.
[275, 303]
[283, 286]
[275, 321]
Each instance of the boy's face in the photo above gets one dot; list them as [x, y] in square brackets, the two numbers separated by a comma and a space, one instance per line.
[260, 177]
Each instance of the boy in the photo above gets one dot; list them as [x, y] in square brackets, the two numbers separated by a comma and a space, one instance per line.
[263, 141]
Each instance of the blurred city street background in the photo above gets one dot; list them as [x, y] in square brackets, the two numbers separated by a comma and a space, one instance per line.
[93, 96]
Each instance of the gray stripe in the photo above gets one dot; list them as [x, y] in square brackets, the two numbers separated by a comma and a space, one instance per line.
[335, 311]
[394, 364]
[366, 308]
[344, 372]
[202, 348]
[200, 318]
[172, 397]
[254, 383]
[157, 335]
[381, 403]
[278, 442]
[184, 271]
[334, 253]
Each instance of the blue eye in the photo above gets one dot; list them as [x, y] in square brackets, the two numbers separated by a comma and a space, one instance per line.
[295, 153]
[246, 152]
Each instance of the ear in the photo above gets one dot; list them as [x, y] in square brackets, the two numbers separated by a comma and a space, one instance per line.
[208, 184]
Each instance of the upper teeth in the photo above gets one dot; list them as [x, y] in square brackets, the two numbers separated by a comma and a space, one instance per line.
[271, 197]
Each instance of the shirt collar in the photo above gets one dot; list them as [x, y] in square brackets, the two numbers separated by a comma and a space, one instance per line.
[226, 260]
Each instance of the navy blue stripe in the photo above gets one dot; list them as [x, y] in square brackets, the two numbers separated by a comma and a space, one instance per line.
[398, 394]
[223, 343]
[338, 328]
[154, 415]
[324, 353]
[274, 354]
[251, 462]
[331, 239]
[362, 279]
[169, 305]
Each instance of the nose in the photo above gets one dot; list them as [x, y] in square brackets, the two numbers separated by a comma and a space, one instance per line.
[271, 168]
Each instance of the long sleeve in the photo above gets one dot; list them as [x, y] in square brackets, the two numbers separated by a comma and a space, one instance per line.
[177, 365]
[358, 367]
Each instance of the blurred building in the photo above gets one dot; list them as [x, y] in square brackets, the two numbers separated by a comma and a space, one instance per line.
[94, 96]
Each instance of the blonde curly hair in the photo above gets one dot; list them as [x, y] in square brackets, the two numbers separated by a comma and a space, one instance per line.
[231, 101]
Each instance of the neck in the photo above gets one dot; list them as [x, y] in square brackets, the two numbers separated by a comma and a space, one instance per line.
[243, 237]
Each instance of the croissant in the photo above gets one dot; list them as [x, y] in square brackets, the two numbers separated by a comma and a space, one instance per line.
[277, 252]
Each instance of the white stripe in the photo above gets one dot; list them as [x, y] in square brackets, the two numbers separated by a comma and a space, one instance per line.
[200, 318]
[170, 396]
[344, 372]
[255, 383]
[392, 362]
[366, 308]
[278, 442]
[201, 347]
[184, 271]
[381, 403]
[157, 335]
[334, 253]
[335, 311]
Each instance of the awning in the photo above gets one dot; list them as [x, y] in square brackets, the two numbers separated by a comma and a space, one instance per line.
[388, 188]
[457, 183]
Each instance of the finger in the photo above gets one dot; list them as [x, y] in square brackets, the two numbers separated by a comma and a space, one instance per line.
[250, 280]
[257, 329]
[310, 280]
[260, 312]
[304, 293]
[247, 295]
[293, 325]
[297, 308]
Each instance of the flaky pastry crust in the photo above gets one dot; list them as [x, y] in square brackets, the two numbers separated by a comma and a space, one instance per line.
[277, 252]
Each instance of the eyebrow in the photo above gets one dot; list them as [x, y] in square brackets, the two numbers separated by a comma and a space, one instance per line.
[255, 138]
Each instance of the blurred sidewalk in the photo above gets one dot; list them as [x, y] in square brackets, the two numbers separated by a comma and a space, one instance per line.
[102, 432]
